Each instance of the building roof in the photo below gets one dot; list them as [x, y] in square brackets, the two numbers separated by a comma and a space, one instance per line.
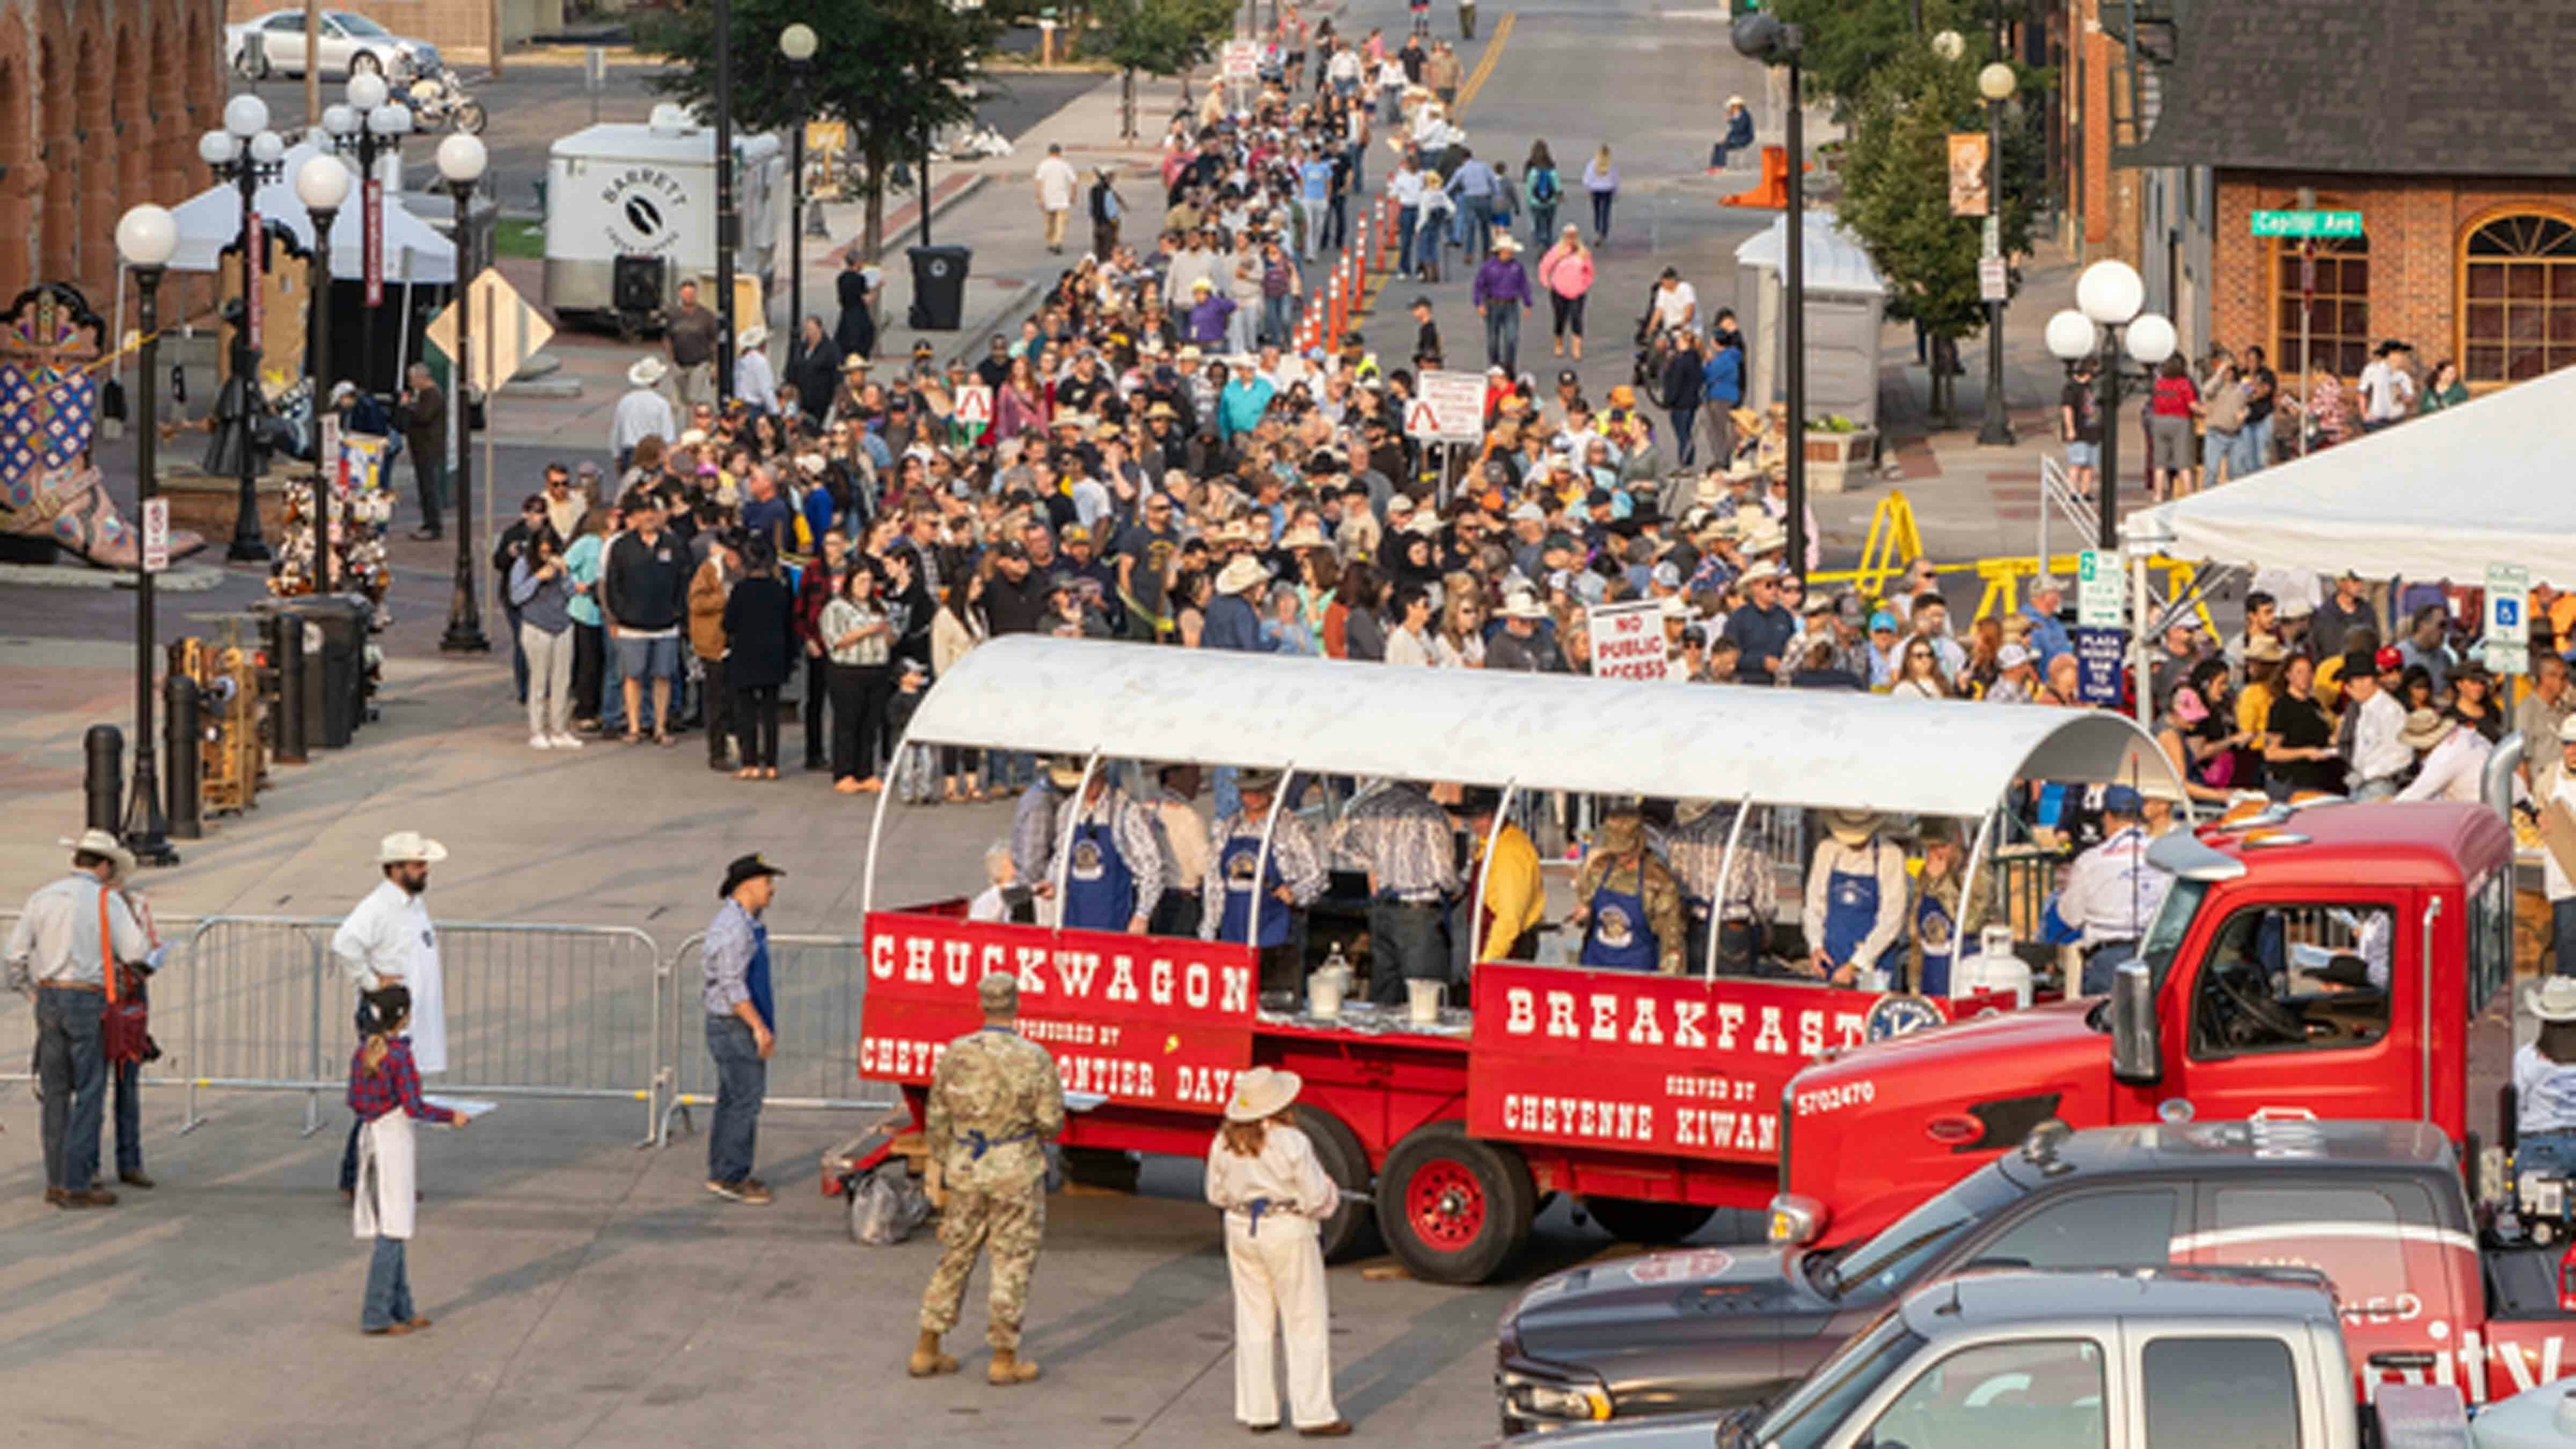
[2386, 87]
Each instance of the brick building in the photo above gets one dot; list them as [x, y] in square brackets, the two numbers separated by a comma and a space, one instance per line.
[101, 105]
[2443, 122]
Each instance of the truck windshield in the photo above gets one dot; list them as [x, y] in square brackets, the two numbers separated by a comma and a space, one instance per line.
[2165, 932]
[1886, 1263]
[1837, 1387]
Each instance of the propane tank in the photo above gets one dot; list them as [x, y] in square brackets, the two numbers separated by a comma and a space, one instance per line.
[1993, 968]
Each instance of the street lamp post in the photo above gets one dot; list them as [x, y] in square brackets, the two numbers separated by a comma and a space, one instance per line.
[322, 184]
[2107, 298]
[146, 236]
[728, 221]
[371, 124]
[1995, 83]
[245, 153]
[1763, 37]
[461, 159]
[797, 43]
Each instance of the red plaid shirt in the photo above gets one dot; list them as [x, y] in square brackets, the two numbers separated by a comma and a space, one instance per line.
[394, 1083]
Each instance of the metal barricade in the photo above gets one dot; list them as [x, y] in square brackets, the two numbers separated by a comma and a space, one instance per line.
[820, 984]
[249, 996]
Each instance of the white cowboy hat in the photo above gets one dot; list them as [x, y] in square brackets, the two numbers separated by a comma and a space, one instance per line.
[1766, 537]
[647, 371]
[101, 842]
[1507, 243]
[1243, 572]
[754, 335]
[1064, 773]
[2567, 730]
[409, 845]
[1520, 605]
[1309, 536]
[1852, 827]
[2554, 999]
[1760, 571]
[1265, 1092]
[1733, 101]
[2424, 729]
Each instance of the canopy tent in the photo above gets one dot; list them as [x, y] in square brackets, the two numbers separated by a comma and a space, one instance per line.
[1821, 749]
[211, 220]
[1845, 300]
[2442, 496]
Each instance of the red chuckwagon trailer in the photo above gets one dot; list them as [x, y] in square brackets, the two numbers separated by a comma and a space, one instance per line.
[1655, 1099]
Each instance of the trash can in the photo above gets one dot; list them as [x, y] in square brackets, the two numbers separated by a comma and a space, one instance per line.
[337, 677]
[939, 287]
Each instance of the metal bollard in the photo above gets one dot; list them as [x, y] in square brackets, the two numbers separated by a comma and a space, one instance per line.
[286, 649]
[103, 777]
[182, 767]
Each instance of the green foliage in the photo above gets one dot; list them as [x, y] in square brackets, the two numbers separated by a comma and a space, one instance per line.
[1848, 41]
[1158, 37]
[1896, 186]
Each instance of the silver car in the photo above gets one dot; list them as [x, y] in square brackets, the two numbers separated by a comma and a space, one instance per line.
[273, 44]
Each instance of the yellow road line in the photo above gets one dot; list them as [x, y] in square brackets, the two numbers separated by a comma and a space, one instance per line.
[1475, 82]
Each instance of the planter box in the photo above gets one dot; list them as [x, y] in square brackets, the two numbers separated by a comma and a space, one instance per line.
[1834, 459]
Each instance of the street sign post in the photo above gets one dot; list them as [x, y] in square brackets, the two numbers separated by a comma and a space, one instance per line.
[2307, 223]
[2098, 654]
[507, 331]
[1450, 408]
[156, 535]
[2101, 590]
[1994, 280]
[2507, 646]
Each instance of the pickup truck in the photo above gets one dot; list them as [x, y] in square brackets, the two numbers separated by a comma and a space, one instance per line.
[2377, 1207]
[2128, 1359]
[2332, 960]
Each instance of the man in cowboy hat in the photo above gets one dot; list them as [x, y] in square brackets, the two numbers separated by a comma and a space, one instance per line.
[2454, 754]
[1501, 294]
[1742, 918]
[1761, 627]
[742, 1019]
[643, 412]
[1291, 879]
[388, 940]
[1110, 856]
[1626, 902]
[2544, 1082]
[1232, 620]
[754, 384]
[2111, 893]
[60, 955]
[996, 1100]
[1855, 905]
[1522, 644]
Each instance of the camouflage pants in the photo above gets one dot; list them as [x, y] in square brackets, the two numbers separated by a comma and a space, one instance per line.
[1009, 1224]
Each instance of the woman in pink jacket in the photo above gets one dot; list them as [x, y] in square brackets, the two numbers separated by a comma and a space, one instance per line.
[1566, 273]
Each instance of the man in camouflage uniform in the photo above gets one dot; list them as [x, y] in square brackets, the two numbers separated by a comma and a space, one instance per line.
[1626, 902]
[995, 1100]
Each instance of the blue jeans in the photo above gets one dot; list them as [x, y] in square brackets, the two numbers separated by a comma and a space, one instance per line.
[1684, 441]
[1542, 225]
[741, 1079]
[1503, 335]
[71, 1063]
[518, 655]
[2216, 448]
[1601, 203]
[2253, 449]
[612, 692]
[1337, 222]
[1279, 318]
[1406, 219]
[349, 1153]
[1476, 218]
[128, 1087]
[2562, 933]
[2102, 967]
[388, 1300]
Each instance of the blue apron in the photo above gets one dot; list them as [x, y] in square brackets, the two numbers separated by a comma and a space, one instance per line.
[1235, 864]
[1933, 927]
[1851, 909]
[1099, 890]
[755, 977]
[1617, 938]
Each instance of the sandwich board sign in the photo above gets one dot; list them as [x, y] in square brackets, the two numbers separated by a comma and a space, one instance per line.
[1449, 409]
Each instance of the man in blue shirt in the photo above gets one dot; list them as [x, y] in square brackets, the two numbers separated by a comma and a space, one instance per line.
[1314, 197]
[1473, 189]
[1761, 628]
[2048, 638]
[741, 1015]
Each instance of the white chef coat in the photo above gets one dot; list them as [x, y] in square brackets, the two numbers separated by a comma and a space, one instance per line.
[389, 937]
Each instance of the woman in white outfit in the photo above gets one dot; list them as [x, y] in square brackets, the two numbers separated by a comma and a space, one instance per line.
[1263, 1174]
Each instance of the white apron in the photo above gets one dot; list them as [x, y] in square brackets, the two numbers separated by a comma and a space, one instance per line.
[385, 1197]
[428, 985]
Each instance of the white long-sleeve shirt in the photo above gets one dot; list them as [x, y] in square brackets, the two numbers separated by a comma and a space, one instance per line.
[2111, 892]
[753, 381]
[2454, 770]
[2377, 753]
[641, 413]
[1894, 890]
[388, 939]
[1285, 1171]
[56, 937]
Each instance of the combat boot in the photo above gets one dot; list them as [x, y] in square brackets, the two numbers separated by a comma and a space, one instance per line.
[1009, 1368]
[927, 1360]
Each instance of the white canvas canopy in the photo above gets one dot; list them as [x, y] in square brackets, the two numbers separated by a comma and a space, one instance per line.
[1821, 749]
[212, 220]
[2442, 496]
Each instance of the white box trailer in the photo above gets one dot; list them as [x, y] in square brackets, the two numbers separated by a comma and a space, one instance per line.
[631, 214]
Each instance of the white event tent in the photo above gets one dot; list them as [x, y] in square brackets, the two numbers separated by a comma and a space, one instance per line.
[414, 252]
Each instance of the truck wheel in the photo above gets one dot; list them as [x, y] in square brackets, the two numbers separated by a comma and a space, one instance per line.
[1454, 1209]
[1351, 1232]
[1653, 1223]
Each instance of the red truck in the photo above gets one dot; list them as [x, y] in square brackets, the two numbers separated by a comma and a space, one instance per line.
[2337, 960]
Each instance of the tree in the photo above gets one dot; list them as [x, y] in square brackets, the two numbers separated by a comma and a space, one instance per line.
[1896, 194]
[1849, 41]
[891, 70]
[1158, 37]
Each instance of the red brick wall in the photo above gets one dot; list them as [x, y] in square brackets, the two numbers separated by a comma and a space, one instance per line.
[2415, 226]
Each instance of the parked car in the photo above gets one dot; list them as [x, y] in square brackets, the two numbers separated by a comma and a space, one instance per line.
[273, 44]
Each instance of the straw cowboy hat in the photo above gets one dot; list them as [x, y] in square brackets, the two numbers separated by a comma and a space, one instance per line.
[2553, 999]
[2424, 729]
[1852, 827]
[1507, 243]
[1258, 782]
[1766, 536]
[1262, 1093]
[754, 335]
[1305, 535]
[854, 363]
[1520, 604]
[1241, 573]
[647, 371]
[409, 845]
[1064, 773]
[100, 842]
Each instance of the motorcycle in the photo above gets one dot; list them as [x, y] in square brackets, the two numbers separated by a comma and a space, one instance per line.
[438, 101]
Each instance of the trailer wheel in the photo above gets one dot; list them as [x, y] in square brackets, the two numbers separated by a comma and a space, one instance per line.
[1454, 1209]
[1351, 1231]
[1655, 1224]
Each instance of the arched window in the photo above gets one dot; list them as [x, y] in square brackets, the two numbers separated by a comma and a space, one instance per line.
[2331, 317]
[2517, 298]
